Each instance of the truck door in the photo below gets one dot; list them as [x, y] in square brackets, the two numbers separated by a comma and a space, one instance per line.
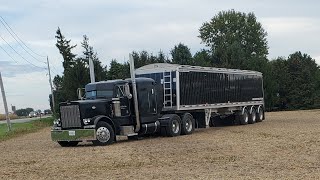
[124, 102]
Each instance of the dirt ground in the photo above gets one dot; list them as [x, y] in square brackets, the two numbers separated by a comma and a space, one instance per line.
[284, 146]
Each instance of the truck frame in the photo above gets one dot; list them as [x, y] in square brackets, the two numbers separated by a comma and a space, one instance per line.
[161, 98]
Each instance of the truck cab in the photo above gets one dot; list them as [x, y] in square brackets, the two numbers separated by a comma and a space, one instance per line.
[108, 110]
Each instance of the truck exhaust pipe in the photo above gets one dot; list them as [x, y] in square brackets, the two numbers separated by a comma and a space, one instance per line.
[135, 96]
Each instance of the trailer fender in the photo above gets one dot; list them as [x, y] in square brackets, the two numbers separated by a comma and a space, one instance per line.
[259, 108]
[250, 112]
[243, 109]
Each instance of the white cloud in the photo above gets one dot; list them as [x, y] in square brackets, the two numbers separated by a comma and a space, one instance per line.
[117, 27]
[27, 90]
[291, 25]
[317, 58]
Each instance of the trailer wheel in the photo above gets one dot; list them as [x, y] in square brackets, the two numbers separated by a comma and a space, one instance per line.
[187, 124]
[68, 143]
[260, 114]
[244, 117]
[252, 116]
[104, 134]
[173, 128]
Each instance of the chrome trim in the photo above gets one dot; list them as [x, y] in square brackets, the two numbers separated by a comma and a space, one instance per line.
[89, 127]
[70, 116]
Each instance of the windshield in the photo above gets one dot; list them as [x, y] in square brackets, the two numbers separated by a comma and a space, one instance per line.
[99, 94]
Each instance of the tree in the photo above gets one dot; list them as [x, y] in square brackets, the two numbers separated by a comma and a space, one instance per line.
[181, 55]
[117, 70]
[65, 49]
[234, 38]
[302, 71]
[203, 58]
[88, 52]
[24, 112]
[76, 70]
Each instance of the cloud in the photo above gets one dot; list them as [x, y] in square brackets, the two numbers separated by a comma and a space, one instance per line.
[317, 59]
[117, 27]
[11, 69]
[291, 25]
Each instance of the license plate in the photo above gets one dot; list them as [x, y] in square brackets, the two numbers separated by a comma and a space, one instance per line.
[72, 133]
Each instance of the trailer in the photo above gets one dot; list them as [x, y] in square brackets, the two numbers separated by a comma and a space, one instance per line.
[165, 99]
[208, 89]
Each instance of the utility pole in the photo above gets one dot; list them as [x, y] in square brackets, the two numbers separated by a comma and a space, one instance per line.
[91, 68]
[5, 104]
[50, 82]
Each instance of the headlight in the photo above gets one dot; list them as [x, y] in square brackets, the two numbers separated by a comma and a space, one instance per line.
[86, 121]
[56, 122]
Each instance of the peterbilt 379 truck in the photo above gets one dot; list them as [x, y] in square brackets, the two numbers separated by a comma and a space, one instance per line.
[166, 99]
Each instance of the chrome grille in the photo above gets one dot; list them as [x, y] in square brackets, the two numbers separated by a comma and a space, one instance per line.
[70, 116]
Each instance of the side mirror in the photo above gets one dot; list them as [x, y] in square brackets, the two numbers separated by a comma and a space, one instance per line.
[79, 93]
[127, 91]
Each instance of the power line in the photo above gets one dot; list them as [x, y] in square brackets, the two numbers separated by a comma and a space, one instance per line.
[8, 54]
[20, 43]
[20, 39]
[20, 54]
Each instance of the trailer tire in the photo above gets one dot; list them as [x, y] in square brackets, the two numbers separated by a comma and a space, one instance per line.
[244, 117]
[187, 124]
[173, 128]
[104, 134]
[260, 114]
[252, 116]
[68, 143]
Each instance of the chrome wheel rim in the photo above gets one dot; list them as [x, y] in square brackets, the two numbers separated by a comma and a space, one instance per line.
[260, 115]
[254, 116]
[103, 134]
[175, 126]
[246, 118]
[189, 125]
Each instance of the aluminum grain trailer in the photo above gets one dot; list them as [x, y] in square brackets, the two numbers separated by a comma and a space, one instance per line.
[206, 91]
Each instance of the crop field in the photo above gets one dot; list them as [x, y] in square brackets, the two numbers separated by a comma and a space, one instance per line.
[284, 146]
[11, 116]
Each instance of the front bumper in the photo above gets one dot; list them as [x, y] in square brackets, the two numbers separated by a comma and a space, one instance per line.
[73, 135]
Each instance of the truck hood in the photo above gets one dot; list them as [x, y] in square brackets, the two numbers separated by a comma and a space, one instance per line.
[92, 108]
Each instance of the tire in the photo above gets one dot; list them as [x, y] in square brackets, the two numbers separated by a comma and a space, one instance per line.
[187, 124]
[244, 117]
[104, 134]
[173, 128]
[252, 116]
[260, 114]
[68, 143]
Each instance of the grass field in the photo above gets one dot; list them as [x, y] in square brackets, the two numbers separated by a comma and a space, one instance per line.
[19, 129]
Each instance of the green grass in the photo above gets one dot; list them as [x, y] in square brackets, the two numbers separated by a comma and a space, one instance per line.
[19, 129]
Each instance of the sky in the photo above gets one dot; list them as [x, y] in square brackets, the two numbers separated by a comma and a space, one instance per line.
[117, 27]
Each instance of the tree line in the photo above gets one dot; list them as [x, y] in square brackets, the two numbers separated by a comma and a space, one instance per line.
[232, 40]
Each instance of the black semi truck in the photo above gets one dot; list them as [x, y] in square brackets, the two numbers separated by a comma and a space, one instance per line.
[166, 99]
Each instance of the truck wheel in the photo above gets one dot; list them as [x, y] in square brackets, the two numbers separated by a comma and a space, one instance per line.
[252, 116]
[260, 114]
[244, 117]
[104, 134]
[174, 125]
[68, 143]
[187, 124]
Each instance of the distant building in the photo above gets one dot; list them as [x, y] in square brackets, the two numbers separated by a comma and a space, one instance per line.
[13, 108]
